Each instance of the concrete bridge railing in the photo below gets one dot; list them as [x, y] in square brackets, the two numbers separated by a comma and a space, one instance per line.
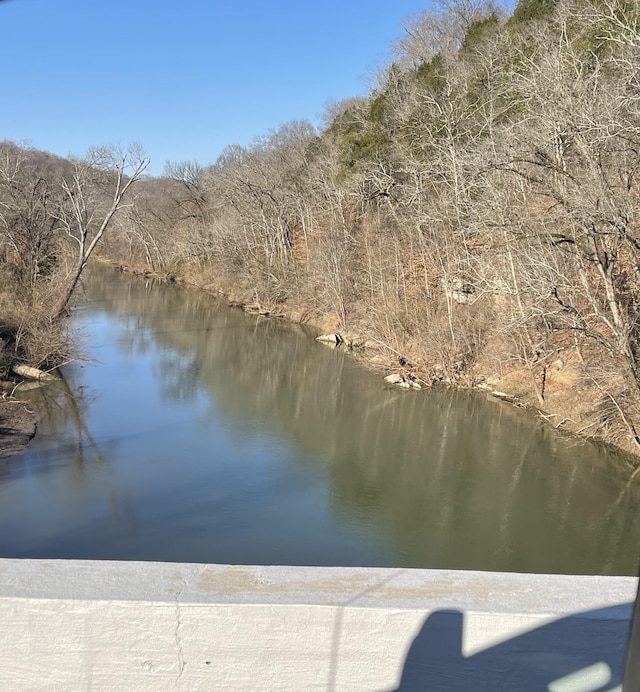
[79, 625]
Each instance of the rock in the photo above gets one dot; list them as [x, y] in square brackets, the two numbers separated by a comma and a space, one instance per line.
[408, 382]
[462, 297]
[330, 338]
[352, 340]
[501, 395]
[558, 364]
[460, 291]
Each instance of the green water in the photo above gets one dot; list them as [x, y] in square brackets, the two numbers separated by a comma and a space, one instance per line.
[200, 434]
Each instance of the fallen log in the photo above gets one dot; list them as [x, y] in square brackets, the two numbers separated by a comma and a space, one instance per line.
[32, 373]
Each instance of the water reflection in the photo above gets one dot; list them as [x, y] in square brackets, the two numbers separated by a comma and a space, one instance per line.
[207, 435]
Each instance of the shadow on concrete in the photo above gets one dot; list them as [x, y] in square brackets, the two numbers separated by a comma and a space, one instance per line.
[582, 652]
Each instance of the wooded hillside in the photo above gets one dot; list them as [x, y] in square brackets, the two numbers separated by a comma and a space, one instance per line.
[475, 216]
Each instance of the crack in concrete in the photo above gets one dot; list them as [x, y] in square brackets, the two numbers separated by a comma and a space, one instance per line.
[182, 664]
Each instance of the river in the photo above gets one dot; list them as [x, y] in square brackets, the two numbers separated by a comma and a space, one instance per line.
[197, 433]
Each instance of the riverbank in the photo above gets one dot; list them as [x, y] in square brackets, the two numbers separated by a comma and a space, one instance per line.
[196, 416]
[563, 400]
[567, 395]
[18, 422]
[33, 344]
[18, 425]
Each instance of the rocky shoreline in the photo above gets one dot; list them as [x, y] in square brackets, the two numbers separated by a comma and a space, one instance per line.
[18, 423]
[567, 398]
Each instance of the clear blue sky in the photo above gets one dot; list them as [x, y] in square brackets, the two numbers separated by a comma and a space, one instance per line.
[183, 78]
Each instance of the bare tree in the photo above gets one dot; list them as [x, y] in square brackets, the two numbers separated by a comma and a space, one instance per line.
[81, 215]
[574, 152]
[28, 195]
[440, 29]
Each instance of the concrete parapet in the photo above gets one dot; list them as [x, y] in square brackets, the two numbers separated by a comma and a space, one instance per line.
[80, 625]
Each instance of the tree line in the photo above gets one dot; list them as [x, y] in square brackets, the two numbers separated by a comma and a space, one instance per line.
[477, 211]
[53, 214]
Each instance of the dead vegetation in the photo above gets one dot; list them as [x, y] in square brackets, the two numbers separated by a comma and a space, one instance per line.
[474, 218]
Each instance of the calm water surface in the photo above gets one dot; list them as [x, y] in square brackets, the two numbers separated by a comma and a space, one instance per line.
[201, 434]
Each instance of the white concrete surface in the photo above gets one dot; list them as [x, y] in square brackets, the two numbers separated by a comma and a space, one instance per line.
[77, 625]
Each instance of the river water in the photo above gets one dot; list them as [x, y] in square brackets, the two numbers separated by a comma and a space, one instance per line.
[200, 434]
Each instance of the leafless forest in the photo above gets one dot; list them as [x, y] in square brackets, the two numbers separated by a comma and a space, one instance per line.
[474, 218]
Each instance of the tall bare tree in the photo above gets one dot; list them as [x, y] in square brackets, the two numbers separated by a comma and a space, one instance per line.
[83, 215]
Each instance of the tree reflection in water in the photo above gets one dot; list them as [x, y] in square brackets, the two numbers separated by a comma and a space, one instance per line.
[244, 414]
